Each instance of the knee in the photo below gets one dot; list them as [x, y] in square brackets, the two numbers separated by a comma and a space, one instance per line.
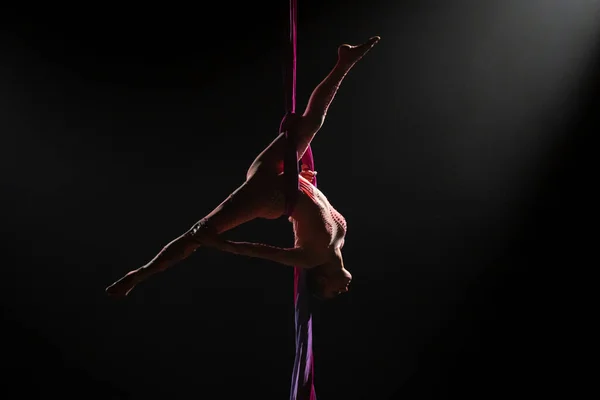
[310, 124]
[302, 125]
[199, 231]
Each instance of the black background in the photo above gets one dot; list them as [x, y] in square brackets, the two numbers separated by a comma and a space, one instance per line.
[458, 150]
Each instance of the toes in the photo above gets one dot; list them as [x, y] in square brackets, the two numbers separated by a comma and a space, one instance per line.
[374, 39]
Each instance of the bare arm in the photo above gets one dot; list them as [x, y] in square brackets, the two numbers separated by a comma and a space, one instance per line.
[295, 256]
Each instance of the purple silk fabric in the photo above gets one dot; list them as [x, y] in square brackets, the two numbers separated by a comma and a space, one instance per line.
[302, 387]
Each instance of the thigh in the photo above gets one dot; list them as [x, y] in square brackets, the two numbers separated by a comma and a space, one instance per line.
[269, 162]
[258, 197]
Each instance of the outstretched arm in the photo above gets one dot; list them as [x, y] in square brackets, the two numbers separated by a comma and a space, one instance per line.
[295, 256]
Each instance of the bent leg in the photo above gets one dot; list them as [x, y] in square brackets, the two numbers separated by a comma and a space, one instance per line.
[251, 200]
[256, 198]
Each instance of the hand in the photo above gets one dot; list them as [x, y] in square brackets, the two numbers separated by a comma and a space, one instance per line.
[212, 239]
[308, 174]
[218, 242]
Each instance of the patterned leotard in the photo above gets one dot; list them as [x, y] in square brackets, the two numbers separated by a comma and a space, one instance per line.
[331, 221]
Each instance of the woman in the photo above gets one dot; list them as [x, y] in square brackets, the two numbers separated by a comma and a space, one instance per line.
[318, 228]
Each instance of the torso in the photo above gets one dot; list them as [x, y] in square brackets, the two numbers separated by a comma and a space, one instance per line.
[317, 224]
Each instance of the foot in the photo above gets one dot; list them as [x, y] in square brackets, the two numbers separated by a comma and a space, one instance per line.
[351, 54]
[123, 286]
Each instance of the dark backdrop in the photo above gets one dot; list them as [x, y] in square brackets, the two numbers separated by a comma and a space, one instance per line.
[457, 150]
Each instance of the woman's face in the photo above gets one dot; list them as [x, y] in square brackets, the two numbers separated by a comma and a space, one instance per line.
[332, 283]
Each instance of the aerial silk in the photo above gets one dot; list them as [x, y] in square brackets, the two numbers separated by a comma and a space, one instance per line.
[302, 387]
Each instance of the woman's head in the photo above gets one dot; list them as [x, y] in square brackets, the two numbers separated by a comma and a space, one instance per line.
[324, 283]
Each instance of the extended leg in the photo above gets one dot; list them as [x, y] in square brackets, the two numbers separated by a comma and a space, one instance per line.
[322, 96]
[254, 199]
[270, 161]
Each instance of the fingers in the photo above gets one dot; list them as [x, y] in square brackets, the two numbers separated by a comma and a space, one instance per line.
[308, 175]
[304, 168]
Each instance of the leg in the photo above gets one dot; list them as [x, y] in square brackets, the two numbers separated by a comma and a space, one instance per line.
[270, 161]
[322, 96]
[256, 198]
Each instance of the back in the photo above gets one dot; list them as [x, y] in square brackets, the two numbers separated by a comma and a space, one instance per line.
[316, 223]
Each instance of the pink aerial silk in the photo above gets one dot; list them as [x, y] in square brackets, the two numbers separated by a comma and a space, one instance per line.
[302, 387]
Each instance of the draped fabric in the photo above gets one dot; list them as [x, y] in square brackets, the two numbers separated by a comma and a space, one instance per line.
[302, 387]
